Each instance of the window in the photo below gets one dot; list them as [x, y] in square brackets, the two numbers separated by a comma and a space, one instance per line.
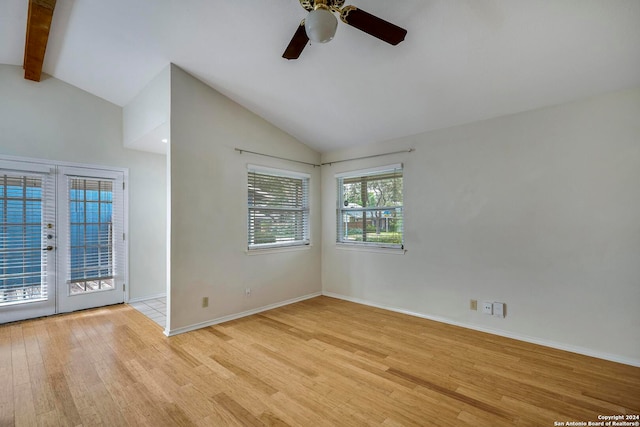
[278, 208]
[91, 245]
[22, 237]
[370, 207]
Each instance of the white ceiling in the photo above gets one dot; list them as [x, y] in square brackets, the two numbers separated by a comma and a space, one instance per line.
[462, 60]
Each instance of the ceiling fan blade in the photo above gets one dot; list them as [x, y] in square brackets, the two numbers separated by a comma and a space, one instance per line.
[297, 43]
[370, 24]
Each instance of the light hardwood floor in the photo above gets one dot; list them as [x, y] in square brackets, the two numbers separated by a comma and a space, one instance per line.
[319, 362]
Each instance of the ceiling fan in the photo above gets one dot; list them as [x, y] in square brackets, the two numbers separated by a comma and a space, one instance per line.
[320, 25]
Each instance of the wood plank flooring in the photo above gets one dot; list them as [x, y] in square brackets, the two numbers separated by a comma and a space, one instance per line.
[321, 362]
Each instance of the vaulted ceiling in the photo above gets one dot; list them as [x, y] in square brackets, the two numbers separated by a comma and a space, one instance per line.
[462, 60]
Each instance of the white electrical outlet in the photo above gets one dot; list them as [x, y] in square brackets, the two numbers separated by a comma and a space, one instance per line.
[498, 309]
[487, 307]
[247, 291]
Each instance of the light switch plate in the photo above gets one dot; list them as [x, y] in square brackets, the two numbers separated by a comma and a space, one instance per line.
[498, 309]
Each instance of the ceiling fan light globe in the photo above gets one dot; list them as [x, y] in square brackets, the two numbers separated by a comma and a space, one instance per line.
[320, 25]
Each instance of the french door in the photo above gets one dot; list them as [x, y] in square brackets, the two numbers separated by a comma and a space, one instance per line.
[61, 239]
[27, 241]
[90, 238]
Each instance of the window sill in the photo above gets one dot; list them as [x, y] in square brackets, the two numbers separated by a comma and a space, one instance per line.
[376, 249]
[277, 249]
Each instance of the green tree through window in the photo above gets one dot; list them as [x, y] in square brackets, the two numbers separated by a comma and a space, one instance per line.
[370, 208]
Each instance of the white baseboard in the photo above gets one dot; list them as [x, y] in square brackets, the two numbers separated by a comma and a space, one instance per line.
[235, 316]
[147, 298]
[519, 337]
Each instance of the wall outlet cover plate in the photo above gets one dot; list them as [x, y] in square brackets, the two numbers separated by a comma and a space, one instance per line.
[487, 307]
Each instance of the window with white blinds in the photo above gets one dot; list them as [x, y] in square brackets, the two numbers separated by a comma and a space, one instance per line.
[278, 208]
[370, 207]
[23, 236]
[95, 234]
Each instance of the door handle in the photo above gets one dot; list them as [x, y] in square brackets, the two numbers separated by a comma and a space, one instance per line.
[48, 248]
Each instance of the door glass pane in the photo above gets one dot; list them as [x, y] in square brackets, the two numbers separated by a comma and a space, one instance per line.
[91, 235]
[22, 276]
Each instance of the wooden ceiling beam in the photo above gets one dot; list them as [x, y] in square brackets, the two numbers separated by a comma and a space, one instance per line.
[39, 19]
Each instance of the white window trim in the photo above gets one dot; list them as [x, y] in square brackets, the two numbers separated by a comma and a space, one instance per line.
[369, 247]
[370, 171]
[277, 172]
[278, 249]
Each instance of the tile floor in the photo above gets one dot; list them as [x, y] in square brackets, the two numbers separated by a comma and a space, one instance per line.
[155, 309]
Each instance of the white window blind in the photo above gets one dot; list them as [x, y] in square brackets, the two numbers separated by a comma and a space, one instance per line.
[370, 207]
[95, 238]
[278, 208]
[24, 215]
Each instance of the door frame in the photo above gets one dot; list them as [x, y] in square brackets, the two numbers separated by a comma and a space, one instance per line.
[66, 302]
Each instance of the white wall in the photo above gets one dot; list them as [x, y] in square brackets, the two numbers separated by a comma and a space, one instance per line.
[145, 119]
[540, 210]
[208, 209]
[56, 121]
